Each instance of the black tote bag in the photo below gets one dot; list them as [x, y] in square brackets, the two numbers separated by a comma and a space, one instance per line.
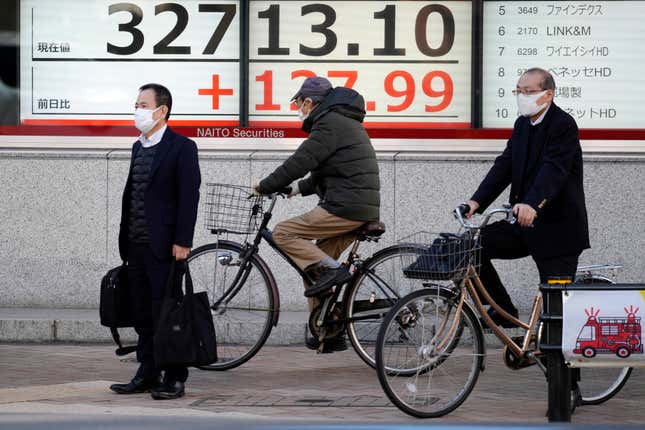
[185, 334]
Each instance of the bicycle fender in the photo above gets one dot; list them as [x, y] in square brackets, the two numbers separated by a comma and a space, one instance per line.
[265, 267]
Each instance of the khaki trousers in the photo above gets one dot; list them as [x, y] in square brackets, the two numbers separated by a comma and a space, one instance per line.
[333, 235]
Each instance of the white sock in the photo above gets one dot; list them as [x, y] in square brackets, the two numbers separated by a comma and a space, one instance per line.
[329, 262]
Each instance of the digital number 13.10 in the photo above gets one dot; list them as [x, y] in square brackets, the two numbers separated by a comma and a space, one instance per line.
[398, 84]
[388, 15]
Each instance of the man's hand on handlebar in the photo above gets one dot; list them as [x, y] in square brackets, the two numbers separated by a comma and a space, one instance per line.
[473, 205]
[525, 214]
[254, 189]
[466, 210]
[286, 191]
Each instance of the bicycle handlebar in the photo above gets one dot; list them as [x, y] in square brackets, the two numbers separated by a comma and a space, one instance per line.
[285, 191]
[273, 197]
[461, 211]
[282, 193]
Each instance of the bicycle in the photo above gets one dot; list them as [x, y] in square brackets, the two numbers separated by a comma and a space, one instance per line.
[430, 347]
[244, 294]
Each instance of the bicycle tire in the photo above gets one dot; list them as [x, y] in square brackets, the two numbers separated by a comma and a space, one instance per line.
[454, 341]
[244, 324]
[363, 297]
[444, 369]
[597, 385]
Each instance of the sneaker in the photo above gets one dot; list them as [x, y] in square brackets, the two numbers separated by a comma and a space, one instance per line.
[328, 278]
[500, 320]
[314, 273]
[334, 344]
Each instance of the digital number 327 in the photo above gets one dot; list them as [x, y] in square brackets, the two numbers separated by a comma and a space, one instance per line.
[163, 46]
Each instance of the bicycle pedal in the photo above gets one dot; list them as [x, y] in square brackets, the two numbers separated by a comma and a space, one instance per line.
[516, 363]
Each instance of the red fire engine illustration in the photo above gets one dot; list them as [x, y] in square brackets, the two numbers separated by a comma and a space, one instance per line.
[612, 335]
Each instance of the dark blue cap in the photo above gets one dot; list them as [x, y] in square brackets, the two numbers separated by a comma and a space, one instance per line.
[314, 86]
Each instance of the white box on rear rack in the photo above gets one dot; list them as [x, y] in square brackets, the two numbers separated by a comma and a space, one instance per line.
[603, 327]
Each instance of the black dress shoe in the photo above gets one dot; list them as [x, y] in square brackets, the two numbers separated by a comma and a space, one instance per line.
[334, 344]
[500, 320]
[137, 385]
[328, 278]
[168, 390]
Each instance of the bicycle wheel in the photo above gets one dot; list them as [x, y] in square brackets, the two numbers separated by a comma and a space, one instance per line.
[243, 325]
[378, 285]
[597, 385]
[428, 356]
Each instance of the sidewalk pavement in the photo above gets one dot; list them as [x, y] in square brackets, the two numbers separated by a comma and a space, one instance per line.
[279, 385]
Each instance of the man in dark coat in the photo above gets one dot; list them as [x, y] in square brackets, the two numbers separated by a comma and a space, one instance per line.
[543, 164]
[158, 215]
[344, 174]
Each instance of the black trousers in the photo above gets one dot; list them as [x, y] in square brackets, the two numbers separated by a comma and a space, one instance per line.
[501, 240]
[147, 277]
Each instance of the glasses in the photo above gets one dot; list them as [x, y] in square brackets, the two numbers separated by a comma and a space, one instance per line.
[298, 103]
[525, 92]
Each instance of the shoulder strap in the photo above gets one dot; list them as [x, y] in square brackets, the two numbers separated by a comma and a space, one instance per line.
[189, 280]
[121, 350]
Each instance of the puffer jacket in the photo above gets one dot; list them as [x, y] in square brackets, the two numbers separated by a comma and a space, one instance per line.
[340, 157]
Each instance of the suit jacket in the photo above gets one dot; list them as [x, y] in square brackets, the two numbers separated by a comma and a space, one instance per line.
[548, 177]
[171, 198]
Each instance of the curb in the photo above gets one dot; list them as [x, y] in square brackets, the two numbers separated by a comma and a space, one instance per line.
[82, 326]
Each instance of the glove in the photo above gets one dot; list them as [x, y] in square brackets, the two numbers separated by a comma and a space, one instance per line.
[294, 190]
[254, 190]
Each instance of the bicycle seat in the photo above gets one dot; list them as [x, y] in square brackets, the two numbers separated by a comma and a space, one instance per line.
[371, 230]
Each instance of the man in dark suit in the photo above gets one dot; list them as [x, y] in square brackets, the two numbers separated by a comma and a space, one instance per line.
[158, 217]
[543, 164]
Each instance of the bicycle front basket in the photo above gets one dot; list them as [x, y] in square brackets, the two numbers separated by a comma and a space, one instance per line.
[441, 257]
[232, 209]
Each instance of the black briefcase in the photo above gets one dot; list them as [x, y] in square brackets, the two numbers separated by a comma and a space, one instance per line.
[185, 334]
[115, 308]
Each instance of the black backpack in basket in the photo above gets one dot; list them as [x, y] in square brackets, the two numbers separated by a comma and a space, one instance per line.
[447, 258]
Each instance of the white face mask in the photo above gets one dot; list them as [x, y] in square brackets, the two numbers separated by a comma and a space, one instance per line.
[527, 103]
[301, 115]
[143, 119]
